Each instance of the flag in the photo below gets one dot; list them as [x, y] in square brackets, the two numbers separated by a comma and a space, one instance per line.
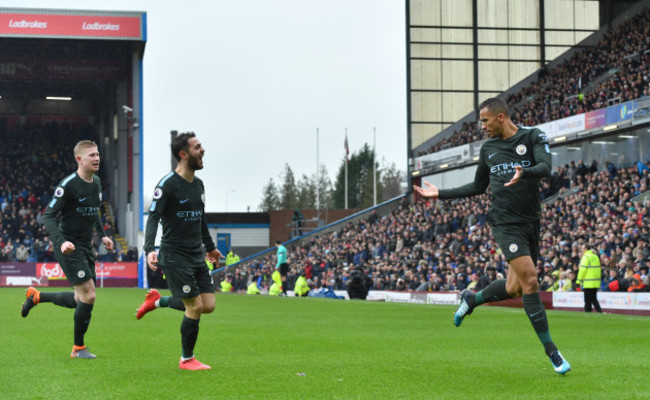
[347, 148]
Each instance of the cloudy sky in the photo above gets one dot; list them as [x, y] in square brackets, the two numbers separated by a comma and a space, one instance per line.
[255, 79]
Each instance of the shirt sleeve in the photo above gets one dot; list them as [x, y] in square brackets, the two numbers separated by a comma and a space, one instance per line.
[98, 222]
[582, 271]
[205, 231]
[99, 227]
[155, 214]
[478, 186]
[206, 238]
[542, 152]
[53, 209]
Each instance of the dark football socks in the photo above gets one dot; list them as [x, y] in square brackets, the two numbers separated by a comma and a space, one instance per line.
[189, 334]
[82, 315]
[62, 299]
[172, 302]
[537, 315]
[496, 291]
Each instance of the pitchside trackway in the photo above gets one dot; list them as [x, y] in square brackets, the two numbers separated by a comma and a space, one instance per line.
[263, 347]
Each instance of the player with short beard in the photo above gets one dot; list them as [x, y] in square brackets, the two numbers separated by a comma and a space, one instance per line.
[76, 199]
[512, 162]
[179, 202]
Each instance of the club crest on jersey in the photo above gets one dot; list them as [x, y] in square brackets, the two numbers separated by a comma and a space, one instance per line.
[58, 192]
[521, 150]
[513, 248]
[157, 193]
[186, 288]
[81, 274]
[203, 197]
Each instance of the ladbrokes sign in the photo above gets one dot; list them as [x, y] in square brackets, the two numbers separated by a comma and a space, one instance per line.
[52, 25]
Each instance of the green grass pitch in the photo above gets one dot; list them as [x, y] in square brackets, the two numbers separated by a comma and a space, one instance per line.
[263, 347]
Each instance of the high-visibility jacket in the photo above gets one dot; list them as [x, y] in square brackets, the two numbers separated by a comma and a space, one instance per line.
[252, 288]
[231, 258]
[275, 289]
[226, 286]
[589, 273]
[301, 288]
[277, 278]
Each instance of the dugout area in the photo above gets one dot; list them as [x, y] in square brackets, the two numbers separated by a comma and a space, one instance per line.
[81, 68]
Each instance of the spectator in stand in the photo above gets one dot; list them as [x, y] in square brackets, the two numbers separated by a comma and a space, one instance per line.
[547, 283]
[636, 284]
[599, 209]
[131, 254]
[22, 253]
[231, 258]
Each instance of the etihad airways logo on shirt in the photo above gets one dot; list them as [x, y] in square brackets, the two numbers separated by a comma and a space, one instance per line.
[87, 211]
[508, 167]
[190, 216]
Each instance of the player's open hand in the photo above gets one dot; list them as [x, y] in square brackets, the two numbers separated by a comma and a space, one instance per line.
[430, 191]
[152, 260]
[214, 256]
[67, 248]
[519, 172]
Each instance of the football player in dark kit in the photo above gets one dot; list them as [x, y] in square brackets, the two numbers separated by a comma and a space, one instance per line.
[76, 199]
[179, 201]
[512, 162]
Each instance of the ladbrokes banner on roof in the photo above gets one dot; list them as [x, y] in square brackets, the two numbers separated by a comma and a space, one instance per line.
[71, 26]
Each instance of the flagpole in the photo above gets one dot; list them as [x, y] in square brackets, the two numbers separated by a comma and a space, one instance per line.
[374, 167]
[317, 175]
[346, 169]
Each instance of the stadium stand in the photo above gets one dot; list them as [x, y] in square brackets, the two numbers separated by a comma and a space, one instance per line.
[616, 70]
[446, 245]
[33, 160]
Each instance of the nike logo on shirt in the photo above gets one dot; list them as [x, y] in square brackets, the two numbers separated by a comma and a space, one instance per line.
[491, 155]
[183, 201]
[82, 198]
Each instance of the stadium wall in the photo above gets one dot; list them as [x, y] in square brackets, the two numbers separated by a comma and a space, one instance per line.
[629, 303]
[109, 274]
[611, 302]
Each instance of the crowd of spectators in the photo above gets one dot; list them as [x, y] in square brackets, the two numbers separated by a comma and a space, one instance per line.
[574, 87]
[446, 245]
[33, 159]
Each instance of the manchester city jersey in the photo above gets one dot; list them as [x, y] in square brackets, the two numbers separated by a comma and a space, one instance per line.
[180, 206]
[77, 203]
[519, 203]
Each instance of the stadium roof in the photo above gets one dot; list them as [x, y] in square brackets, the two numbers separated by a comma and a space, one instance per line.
[72, 24]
